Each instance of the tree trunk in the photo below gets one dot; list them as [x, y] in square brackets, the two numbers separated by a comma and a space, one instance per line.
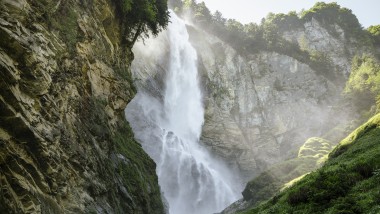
[137, 34]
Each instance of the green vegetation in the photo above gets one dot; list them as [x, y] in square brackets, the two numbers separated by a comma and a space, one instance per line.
[138, 186]
[137, 172]
[284, 22]
[125, 74]
[69, 30]
[315, 147]
[270, 182]
[363, 85]
[375, 33]
[310, 156]
[60, 18]
[349, 181]
[268, 35]
[139, 17]
[328, 13]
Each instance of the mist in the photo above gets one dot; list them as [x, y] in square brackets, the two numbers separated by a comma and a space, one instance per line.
[251, 107]
[167, 116]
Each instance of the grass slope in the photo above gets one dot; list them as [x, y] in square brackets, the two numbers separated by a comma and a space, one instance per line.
[270, 182]
[349, 182]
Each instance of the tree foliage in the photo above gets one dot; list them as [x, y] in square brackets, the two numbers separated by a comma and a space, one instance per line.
[202, 13]
[217, 18]
[284, 22]
[374, 31]
[189, 4]
[328, 13]
[363, 85]
[365, 75]
[141, 17]
[269, 34]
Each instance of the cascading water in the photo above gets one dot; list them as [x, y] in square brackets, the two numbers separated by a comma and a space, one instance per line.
[169, 129]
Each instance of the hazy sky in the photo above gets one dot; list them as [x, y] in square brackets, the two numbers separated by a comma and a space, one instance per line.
[245, 11]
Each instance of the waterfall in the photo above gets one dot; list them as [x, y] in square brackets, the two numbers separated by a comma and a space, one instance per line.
[169, 128]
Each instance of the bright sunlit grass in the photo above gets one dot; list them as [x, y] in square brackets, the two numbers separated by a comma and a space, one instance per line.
[349, 182]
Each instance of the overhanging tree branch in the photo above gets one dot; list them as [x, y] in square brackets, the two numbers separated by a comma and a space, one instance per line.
[137, 34]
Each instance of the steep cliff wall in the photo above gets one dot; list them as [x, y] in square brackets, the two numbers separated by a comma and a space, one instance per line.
[65, 146]
[261, 107]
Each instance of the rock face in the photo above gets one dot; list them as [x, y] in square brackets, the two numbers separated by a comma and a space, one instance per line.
[260, 108]
[65, 146]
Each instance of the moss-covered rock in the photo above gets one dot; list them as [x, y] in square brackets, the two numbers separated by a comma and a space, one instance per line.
[65, 146]
[315, 147]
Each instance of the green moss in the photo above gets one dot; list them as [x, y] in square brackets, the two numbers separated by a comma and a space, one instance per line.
[131, 172]
[137, 172]
[315, 147]
[62, 18]
[292, 182]
[68, 28]
[347, 183]
[126, 74]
